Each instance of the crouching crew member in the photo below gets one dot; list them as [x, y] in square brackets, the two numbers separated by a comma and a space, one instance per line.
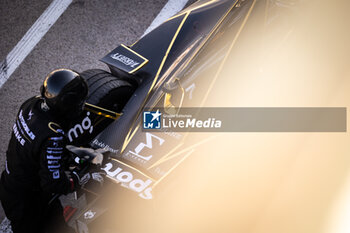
[35, 167]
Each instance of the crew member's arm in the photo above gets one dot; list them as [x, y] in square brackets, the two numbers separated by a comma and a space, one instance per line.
[53, 178]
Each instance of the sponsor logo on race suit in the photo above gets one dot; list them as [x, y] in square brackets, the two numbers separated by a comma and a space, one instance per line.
[18, 135]
[79, 129]
[21, 130]
[25, 126]
[54, 155]
[30, 115]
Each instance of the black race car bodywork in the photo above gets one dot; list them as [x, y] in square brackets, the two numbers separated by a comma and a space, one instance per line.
[184, 39]
[176, 65]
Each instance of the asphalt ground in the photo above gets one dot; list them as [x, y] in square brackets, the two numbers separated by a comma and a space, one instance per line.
[83, 34]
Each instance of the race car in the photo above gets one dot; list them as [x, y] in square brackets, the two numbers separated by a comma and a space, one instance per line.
[173, 67]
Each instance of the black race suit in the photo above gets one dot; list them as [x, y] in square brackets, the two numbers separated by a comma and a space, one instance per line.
[34, 170]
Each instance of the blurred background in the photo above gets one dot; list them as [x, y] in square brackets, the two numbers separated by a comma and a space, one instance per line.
[279, 182]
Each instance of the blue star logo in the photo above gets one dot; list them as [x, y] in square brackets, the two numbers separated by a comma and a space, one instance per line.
[152, 120]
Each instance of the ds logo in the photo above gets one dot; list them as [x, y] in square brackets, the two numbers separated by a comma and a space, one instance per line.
[151, 120]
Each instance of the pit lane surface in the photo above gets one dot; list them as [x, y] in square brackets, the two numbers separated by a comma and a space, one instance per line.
[84, 33]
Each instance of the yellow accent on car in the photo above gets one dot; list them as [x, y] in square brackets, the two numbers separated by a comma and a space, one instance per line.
[102, 111]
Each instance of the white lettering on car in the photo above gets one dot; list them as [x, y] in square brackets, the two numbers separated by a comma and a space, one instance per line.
[127, 180]
[190, 89]
[85, 125]
[124, 59]
[149, 144]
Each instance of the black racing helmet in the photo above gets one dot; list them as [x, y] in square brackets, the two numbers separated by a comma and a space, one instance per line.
[65, 92]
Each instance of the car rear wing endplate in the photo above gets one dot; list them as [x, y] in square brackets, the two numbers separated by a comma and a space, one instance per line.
[124, 59]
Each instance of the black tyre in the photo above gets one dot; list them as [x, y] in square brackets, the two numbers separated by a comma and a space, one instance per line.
[106, 90]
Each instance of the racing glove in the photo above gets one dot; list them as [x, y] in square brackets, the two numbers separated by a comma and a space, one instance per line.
[80, 179]
[83, 156]
[86, 166]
